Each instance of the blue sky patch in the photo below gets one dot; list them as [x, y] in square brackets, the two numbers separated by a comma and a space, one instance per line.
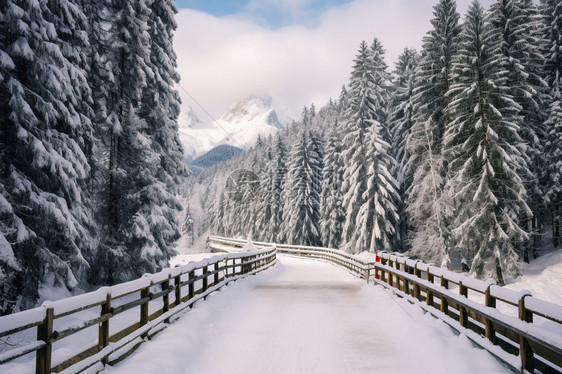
[271, 13]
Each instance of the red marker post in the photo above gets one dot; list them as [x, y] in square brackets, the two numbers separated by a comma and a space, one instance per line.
[377, 259]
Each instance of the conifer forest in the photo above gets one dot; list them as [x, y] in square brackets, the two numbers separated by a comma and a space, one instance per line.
[453, 156]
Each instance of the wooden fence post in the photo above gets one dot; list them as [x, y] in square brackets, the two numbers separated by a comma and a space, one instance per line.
[389, 278]
[463, 314]
[525, 349]
[103, 329]
[177, 284]
[406, 286]
[191, 287]
[490, 301]
[429, 293]
[417, 273]
[145, 292]
[216, 280]
[444, 301]
[205, 279]
[45, 333]
[166, 297]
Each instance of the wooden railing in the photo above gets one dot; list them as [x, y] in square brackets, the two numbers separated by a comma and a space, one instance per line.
[157, 298]
[357, 267]
[514, 328]
[528, 330]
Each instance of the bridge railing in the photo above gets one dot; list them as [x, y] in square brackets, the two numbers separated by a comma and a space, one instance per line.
[528, 330]
[124, 314]
[358, 267]
[526, 326]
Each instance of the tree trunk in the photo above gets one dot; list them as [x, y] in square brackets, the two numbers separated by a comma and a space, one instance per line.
[556, 225]
[499, 273]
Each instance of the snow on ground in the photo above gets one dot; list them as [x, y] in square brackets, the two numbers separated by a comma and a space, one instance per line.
[543, 277]
[307, 317]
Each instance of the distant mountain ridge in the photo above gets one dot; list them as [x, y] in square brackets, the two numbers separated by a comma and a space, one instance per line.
[240, 126]
[220, 153]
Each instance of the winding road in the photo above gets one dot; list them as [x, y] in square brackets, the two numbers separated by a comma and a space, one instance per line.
[307, 316]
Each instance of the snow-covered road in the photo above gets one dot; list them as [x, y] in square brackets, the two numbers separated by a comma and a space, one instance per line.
[307, 317]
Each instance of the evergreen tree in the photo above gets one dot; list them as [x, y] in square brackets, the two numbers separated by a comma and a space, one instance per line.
[400, 123]
[426, 207]
[277, 170]
[306, 117]
[551, 11]
[378, 216]
[44, 142]
[342, 101]
[302, 204]
[486, 152]
[138, 140]
[517, 22]
[163, 165]
[554, 170]
[357, 117]
[380, 86]
[332, 215]
[263, 201]
[368, 90]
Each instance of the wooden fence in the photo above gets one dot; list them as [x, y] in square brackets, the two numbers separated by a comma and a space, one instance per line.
[172, 290]
[528, 330]
[357, 267]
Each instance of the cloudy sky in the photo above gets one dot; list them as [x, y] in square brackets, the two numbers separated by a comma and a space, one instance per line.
[297, 51]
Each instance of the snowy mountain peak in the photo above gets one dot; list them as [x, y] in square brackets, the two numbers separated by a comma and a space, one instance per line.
[187, 118]
[251, 108]
[240, 126]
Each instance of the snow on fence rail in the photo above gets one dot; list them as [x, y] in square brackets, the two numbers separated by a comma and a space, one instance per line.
[356, 266]
[186, 284]
[525, 344]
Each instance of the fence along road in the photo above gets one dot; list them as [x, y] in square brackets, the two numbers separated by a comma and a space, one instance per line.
[523, 342]
[307, 316]
[530, 342]
[124, 315]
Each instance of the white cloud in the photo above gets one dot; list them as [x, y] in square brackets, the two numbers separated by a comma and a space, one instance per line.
[290, 6]
[223, 59]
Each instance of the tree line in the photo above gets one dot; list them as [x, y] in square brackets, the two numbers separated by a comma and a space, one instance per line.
[90, 158]
[455, 157]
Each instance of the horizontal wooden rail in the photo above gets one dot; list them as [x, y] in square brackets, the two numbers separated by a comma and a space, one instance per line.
[356, 266]
[467, 304]
[200, 278]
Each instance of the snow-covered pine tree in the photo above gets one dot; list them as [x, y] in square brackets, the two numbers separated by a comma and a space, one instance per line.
[262, 229]
[302, 199]
[342, 102]
[126, 252]
[401, 119]
[517, 22]
[312, 111]
[380, 86]
[306, 118]
[486, 152]
[332, 215]
[44, 142]
[162, 166]
[368, 90]
[378, 217]
[426, 207]
[551, 11]
[277, 169]
[357, 117]
[554, 169]
[101, 82]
